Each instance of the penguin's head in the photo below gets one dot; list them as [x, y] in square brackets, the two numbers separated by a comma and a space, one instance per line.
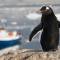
[46, 10]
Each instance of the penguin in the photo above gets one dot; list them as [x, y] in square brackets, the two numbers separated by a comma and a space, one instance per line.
[50, 25]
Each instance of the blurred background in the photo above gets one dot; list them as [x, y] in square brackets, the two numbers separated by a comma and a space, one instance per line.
[27, 2]
[13, 18]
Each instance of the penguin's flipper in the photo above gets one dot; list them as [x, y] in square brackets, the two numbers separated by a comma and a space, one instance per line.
[35, 30]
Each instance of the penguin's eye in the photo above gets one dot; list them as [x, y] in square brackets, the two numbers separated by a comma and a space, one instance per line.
[47, 8]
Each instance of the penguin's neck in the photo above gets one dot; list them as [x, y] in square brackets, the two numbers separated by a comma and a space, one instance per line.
[48, 16]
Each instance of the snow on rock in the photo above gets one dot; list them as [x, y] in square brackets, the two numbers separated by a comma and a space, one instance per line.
[33, 16]
[58, 16]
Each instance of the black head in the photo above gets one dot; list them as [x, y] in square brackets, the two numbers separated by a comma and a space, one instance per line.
[46, 10]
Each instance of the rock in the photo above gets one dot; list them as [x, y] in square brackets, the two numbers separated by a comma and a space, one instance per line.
[28, 54]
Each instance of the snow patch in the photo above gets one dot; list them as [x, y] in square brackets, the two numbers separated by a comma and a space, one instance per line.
[58, 16]
[33, 16]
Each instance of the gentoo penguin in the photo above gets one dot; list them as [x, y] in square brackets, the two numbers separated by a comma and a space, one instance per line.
[50, 25]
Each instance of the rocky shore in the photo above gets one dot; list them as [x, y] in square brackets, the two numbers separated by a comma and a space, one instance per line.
[28, 54]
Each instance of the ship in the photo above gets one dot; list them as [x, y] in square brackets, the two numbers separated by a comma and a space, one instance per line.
[9, 39]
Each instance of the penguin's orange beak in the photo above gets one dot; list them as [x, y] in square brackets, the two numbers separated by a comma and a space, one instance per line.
[43, 10]
[39, 11]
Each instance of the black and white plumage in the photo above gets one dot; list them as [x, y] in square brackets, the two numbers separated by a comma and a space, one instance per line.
[50, 25]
